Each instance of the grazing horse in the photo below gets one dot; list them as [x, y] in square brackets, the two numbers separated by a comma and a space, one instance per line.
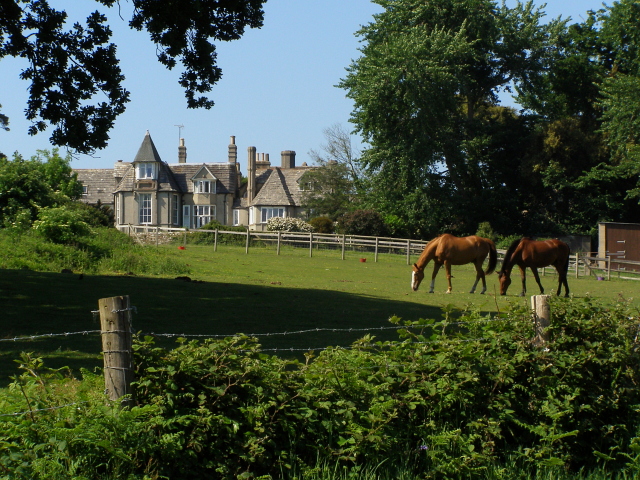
[535, 254]
[448, 250]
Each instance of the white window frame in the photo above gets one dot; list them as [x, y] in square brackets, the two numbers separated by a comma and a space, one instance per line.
[146, 171]
[203, 214]
[236, 217]
[85, 190]
[145, 210]
[204, 186]
[268, 212]
[174, 210]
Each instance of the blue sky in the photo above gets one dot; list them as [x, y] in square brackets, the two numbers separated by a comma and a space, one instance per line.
[277, 91]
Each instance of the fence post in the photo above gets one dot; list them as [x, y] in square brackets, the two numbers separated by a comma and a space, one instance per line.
[157, 236]
[215, 241]
[408, 252]
[608, 268]
[343, 239]
[246, 248]
[541, 317]
[375, 258]
[279, 239]
[310, 245]
[115, 325]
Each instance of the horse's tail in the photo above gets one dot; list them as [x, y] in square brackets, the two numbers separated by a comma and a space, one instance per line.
[493, 258]
[506, 262]
[565, 268]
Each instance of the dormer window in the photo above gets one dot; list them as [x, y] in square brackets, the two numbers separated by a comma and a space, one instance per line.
[203, 186]
[147, 171]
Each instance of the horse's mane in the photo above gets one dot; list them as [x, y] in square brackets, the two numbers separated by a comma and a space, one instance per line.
[506, 262]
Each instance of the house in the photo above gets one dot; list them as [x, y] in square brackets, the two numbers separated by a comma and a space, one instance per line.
[149, 191]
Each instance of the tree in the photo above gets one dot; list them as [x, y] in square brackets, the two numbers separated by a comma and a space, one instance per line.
[429, 73]
[26, 186]
[74, 74]
[330, 189]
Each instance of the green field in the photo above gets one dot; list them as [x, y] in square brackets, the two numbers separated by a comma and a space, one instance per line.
[258, 293]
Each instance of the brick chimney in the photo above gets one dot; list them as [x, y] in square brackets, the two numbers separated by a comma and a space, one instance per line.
[288, 159]
[182, 152]
[233, 150]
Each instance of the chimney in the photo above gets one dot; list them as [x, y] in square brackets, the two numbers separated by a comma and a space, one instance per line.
[288, 159]
[251, 174]
[182, 152]
[233, 150]
[262, 162]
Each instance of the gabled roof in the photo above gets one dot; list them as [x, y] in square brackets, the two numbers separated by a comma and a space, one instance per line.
[280, 187]
[147, 151]
[225, 173]
[209, 173]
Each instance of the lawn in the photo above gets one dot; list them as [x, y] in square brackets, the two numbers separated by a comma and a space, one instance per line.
[258, 293]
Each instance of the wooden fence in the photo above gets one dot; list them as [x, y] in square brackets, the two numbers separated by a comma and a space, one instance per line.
[580, 264]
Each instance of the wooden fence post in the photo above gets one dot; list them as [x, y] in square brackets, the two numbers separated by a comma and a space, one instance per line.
[375, 258]
[541, 317]
[115, 325]
[215, 241]
[310, 245]
[246, 247]
[343, 239]
[279, 240]
[408, 252]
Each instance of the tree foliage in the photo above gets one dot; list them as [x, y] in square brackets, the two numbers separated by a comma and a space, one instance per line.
[26, 186]
[444, 154]
[74, 73]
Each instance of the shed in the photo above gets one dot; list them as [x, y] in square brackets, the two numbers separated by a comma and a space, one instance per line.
[620, 241]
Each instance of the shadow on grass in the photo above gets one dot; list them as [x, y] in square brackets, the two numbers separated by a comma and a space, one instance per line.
[35, 303]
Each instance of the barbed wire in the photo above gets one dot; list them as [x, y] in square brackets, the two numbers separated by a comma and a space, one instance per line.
[17, 414]
[48, 335]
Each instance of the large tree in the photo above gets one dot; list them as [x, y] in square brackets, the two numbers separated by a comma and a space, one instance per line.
[74, 74]
[425, 91]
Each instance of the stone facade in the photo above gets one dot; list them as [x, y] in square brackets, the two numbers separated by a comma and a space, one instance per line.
[148, 191]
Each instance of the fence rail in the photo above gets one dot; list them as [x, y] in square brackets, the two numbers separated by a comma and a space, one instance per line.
[580, 264]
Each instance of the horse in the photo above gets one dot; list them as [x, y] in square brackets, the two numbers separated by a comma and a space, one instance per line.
[448, 250]
[535, 254]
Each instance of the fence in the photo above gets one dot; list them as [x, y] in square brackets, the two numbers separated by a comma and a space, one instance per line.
[117, 341]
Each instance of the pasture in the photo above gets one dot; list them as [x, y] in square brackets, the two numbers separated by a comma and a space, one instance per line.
[258, 293]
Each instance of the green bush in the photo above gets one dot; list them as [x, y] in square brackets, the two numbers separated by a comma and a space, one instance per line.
[455, 399]
[61, 225]
[363, 222]
[288, 224]
[208, 238]
[322, 225]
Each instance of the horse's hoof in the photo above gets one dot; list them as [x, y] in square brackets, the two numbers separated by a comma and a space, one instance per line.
[482, 292]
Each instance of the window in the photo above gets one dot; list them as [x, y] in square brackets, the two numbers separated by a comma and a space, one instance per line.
[203, 214]
[268, 212]
[144, 203]
[203, 186]
[236, 217]
[174, 210]
[147, 170]
[85, 190]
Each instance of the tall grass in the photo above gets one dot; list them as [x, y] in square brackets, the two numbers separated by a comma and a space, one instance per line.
[105, 251]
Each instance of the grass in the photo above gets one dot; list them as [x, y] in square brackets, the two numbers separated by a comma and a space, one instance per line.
[257, 293]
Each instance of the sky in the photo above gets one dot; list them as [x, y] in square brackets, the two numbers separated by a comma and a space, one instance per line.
[277, 91]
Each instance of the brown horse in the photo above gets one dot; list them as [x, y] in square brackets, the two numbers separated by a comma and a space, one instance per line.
[448, 250]
[535, 254]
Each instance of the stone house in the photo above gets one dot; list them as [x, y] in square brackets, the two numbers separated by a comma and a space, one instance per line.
[149, 191]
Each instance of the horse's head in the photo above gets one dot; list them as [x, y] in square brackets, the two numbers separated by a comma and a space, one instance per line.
[505, 281]
[416, 277]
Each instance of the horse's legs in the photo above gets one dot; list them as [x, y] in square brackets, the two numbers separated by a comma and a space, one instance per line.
[562, 280]
[535, 274]
[479, 275]
[436, 267]
[447, 267]
[523, 273]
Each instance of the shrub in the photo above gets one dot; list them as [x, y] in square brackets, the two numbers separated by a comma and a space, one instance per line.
[208, 238]
[288, 224]
[363, 222]
[322, 225]
[61, 225]
[486, 231]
